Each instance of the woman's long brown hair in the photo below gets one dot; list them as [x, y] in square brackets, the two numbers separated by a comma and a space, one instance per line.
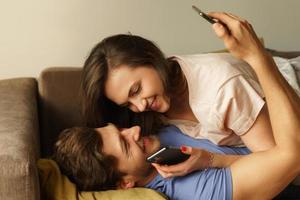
[110, 53]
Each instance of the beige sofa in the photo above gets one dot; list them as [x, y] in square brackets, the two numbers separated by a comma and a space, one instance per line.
[33, 112]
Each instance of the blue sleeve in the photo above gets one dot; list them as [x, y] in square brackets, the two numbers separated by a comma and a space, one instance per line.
[212, 184]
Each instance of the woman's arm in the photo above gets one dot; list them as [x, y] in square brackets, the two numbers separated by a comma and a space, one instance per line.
[262, 175]
[260, 136]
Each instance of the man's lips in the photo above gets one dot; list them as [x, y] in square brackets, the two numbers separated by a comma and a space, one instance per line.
[146, 143]
[141, 143]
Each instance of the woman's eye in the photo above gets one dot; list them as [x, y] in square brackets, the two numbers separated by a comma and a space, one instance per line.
[136, 90]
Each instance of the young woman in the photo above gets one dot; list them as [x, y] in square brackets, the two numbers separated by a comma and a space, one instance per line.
[212, 96]
[260, 175]
[267, 172]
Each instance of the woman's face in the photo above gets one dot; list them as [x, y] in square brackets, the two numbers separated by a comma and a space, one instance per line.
[139, 88]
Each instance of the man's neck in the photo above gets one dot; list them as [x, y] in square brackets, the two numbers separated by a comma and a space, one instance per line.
[144, 181]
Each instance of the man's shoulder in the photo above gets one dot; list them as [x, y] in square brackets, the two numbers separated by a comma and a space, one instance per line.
[206, 184]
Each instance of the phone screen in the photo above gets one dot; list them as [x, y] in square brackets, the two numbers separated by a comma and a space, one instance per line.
[168, 156]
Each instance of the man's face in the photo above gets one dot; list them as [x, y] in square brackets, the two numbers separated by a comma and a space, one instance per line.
[129, 148]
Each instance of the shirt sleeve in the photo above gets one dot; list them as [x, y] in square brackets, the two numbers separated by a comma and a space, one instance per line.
[238, 104]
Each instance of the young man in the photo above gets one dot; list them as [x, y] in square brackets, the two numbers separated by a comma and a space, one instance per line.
[91, 150]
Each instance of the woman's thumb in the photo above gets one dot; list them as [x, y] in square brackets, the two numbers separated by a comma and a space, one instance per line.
[186, 149]
[220, 30]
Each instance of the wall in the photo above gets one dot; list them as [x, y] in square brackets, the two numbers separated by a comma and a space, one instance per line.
[36, 34]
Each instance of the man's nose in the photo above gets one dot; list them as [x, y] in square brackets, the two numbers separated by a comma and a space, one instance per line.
[140, 104]
[132, 132]
[136, 131]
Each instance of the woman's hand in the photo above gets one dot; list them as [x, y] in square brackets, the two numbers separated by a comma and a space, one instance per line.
[238, 36]
[199, 159]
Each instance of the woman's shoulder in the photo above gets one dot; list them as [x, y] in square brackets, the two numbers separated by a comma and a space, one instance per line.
[211, 71]
[221, 65]
[219, 60]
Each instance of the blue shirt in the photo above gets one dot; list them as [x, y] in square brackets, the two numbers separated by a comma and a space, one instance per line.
[207, 184]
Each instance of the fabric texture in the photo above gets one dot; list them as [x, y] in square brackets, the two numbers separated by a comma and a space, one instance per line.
[224, 95]
[211, 184]
[290, 69]
[19, 140]
[55, 186]
[59, 106]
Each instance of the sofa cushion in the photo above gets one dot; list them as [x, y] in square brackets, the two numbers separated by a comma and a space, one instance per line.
[55, 186]
[19, 144]
[58, 104]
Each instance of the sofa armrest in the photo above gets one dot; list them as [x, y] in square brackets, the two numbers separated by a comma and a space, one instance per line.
[284, 54]
[19, 142]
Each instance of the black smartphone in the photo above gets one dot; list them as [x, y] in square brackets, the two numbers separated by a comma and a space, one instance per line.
[205, 16]
[168, 156]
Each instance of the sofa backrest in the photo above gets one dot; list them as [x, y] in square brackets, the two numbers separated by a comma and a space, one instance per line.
[59, 105]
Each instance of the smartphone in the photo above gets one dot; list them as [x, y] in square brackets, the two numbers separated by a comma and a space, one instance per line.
[205, 16]
[168, 156]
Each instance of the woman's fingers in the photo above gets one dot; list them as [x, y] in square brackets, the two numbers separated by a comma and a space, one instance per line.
[196, 161]
[186, 150]
[164, 171]
[221, 31]
[171, 168]
[222, 17]
[240, 38]
[235, 17]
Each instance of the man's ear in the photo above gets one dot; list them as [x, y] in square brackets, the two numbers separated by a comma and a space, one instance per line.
[126, 182]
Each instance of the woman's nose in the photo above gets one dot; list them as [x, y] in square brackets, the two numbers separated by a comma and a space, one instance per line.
[139, 104]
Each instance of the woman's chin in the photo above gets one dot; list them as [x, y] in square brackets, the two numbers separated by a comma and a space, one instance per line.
[163, 108]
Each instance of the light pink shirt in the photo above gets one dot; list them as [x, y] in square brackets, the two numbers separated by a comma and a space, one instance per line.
[224, 95]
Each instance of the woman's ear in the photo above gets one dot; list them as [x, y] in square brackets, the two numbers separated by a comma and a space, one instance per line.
[126, 183]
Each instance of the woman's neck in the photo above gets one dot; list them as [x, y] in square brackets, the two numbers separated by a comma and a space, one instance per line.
[180, 108]
[179, 96]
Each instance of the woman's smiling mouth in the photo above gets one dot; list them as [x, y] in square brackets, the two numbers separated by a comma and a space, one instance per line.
[153, 104]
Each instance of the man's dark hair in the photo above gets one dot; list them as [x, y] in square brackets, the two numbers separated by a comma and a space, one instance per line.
[78, 155]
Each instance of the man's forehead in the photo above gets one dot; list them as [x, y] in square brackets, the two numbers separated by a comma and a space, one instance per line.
[110, 138]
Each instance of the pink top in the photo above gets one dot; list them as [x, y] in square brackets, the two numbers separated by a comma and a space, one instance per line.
[224, 95]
